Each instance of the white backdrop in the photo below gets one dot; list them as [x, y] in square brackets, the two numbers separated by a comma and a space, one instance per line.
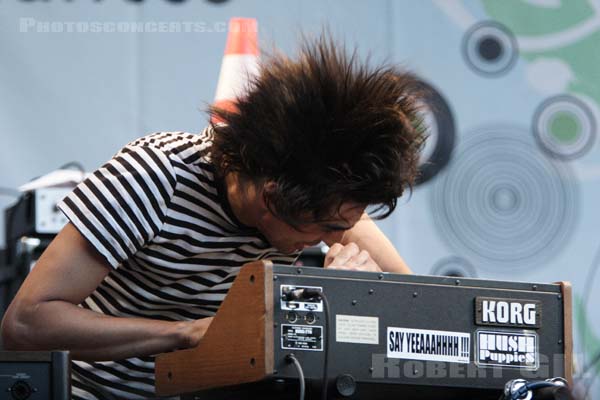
[80, 96]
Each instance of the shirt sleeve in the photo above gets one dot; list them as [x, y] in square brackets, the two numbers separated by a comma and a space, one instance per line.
[123, 204]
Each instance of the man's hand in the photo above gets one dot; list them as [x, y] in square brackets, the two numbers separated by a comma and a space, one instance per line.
[193, 331]
[367, 236]
[350, 257]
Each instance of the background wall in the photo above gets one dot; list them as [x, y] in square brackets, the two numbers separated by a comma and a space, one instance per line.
[512, 179]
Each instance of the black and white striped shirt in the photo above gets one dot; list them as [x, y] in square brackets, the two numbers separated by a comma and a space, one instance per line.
[160, 217]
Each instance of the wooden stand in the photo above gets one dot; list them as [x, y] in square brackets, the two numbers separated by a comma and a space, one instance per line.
[238, 346]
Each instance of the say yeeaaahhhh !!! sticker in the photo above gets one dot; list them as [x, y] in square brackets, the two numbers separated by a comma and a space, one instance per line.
[428, 345]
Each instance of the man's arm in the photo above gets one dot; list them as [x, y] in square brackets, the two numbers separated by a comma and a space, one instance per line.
[366, 238]
[44, 315]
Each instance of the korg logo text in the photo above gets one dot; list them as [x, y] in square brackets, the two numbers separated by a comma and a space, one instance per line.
[507, 312]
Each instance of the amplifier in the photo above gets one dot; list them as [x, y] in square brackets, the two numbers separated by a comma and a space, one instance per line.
[383, 335]
[42, 375]
[36, 213]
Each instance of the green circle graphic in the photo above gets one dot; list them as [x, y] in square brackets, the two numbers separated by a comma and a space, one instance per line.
[565, 127]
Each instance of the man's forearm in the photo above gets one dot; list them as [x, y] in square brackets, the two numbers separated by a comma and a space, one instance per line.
[90, 335]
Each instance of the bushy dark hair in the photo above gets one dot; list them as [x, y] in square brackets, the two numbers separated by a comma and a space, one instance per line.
[326, 129]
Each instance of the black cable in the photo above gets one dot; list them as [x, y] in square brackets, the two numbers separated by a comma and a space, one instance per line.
[522, 391]
[291, 358]
[328, 326]
[311, 293]
[550, 388]
[307, 294]
[76, 164]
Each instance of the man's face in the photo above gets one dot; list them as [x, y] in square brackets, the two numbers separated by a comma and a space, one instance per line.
[289, 239]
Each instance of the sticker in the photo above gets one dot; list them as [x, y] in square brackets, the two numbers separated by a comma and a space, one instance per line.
[305, 305]
[508, 312]
[427, 345]
[355, 329]
[507, 349]
[302, 337]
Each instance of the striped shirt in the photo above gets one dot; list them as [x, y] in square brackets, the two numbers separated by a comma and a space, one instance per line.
[160, 216]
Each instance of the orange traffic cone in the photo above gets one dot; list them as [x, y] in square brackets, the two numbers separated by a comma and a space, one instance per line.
[239, 63]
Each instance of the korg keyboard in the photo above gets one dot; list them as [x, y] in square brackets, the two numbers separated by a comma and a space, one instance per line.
[383, 335]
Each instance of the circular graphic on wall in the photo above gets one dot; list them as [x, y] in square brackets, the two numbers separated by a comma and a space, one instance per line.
[455, 267]
[489, 48]
[441, 132]
[564, 127]
[504, 203]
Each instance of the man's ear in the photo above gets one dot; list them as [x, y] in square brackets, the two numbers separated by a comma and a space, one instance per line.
[268, 187]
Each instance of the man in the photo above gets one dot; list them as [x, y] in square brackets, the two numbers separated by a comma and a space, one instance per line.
[158, 234]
